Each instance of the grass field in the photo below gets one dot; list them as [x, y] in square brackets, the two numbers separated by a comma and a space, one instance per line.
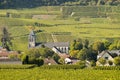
[54, 74]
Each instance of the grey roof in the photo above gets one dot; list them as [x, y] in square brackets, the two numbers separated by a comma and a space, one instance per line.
[115, 51]
[56, 44]
[102, 53]
[112, 52]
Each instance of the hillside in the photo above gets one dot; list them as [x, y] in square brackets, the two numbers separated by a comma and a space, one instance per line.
[58, 23]
[35, 3]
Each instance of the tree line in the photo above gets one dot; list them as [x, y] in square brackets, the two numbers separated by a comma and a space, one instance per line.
[35, 3]
[83, 50]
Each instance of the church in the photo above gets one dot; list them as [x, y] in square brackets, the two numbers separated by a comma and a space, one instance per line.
[57, 47]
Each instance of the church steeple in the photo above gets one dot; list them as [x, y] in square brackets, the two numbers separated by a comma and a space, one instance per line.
[31, 39]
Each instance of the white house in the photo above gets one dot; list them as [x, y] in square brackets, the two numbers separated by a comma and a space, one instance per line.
[108, 56]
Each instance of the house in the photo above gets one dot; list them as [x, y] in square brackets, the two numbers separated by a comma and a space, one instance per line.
[108, 56]
[57, 47]
[9, 57]
[49, 61]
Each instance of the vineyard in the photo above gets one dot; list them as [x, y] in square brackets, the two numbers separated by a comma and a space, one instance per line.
[55, 74]
[71, 22]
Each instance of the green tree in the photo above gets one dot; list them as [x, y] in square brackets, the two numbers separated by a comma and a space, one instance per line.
[106, 43]
[25, 59]
[6, 39]
[81, 63]
[92, 63]
[74, 53]
[46, 52]
[39, 61]
[82, 54]
[117, 61]
[86, 43]
[78, 46]
[115, 45]
[56, 57]
[61, 61]
[98, 46]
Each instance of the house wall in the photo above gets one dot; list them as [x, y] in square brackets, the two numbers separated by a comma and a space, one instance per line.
[60, 49]
[104, 57]
[107, 55]
[55, 50]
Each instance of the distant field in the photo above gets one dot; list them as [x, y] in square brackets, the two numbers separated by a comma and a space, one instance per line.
[62, 74]
[61, 28]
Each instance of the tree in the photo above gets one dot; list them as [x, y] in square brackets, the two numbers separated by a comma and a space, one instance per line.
[61, 61]
[72, 45]
[92, 63]
[82, 54]
[39, 61]
[91, 55]
[117, 61]
[76, 45]
[46, 52]
[115, 45]
[98, 46]
[74, 53]
[56, 57]
[86, 43]
[24, 59]
[81, 63]
[106, 43]
[6, 39]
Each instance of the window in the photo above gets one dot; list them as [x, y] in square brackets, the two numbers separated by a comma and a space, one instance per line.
[106, 58]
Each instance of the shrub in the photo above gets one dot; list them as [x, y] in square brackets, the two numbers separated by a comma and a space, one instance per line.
[24, 59]
[107, 68]
[39, 61]
[62, 67]
[8, 66]
[92, 63]
[102, 61]
[81, 63]
[110, 62]
[117, 61]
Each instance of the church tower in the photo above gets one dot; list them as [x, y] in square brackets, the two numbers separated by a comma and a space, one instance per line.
[31, 39]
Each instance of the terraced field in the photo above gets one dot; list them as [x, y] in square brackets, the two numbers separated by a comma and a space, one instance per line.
[20, 23]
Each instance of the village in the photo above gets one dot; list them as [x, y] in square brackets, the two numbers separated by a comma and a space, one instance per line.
[61, 52]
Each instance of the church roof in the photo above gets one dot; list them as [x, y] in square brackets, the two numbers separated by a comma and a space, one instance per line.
[56, 44]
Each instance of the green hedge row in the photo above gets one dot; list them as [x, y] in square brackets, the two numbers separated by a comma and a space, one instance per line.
[106, 68]
[11, 66]
[62, 67]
